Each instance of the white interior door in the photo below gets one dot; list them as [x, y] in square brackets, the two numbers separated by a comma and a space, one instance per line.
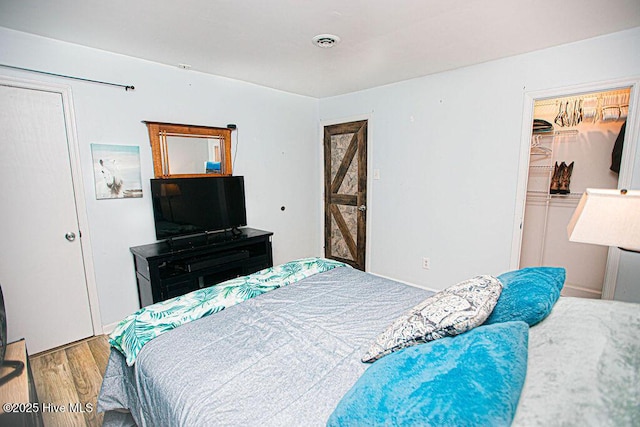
[41, 263]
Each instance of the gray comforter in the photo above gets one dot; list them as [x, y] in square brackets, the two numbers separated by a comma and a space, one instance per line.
[287, 357]
[284, 358]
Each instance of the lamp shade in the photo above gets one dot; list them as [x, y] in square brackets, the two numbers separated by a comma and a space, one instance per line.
[607, 217]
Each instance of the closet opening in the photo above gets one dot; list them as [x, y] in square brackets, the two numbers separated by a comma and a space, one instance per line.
[576, 142]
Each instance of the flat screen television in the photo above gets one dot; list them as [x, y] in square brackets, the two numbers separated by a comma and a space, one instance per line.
[188, 206]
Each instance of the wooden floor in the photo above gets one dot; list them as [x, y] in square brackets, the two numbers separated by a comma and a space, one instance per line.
[71, 375]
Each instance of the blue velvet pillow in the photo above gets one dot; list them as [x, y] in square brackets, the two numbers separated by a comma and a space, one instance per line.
[471, 379]
[528, 294]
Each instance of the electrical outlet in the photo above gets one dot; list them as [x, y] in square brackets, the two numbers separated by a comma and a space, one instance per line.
[426, 263]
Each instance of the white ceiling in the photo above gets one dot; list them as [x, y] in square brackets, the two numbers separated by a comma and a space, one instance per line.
[268, 42]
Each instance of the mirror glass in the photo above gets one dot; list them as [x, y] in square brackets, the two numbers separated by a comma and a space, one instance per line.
[194, 155]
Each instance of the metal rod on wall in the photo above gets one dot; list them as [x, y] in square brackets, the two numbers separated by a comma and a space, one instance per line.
[126, 87]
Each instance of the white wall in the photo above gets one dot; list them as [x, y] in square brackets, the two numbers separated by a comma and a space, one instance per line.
[277, 150]
[448, 146]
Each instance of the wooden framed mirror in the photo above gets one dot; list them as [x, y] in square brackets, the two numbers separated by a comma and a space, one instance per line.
[182, 151]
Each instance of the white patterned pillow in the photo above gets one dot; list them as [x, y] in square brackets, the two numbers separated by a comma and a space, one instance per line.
[449, 312]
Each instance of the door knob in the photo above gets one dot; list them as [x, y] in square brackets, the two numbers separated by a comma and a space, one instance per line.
[362, 208]
[70, 236]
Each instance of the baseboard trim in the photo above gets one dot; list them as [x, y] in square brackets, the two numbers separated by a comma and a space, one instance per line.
[107, 329]
[576, 288]
[405, 282]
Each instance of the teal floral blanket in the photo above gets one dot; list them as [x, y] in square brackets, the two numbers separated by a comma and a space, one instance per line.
[139, 328]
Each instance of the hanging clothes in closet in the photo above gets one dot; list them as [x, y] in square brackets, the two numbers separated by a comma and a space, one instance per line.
[616, 154]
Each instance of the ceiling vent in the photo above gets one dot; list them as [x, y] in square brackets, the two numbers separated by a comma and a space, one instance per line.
[326, 41]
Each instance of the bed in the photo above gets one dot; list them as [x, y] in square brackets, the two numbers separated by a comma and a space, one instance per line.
[293, 355]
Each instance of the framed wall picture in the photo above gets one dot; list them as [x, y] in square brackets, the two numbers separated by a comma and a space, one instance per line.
[116, 171]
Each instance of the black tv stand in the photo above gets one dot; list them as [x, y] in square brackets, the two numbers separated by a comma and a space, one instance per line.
[171, 268]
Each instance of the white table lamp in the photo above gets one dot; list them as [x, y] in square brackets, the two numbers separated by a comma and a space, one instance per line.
[607, 217]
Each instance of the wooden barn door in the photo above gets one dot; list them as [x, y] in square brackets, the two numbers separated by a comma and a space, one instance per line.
[345, 189]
